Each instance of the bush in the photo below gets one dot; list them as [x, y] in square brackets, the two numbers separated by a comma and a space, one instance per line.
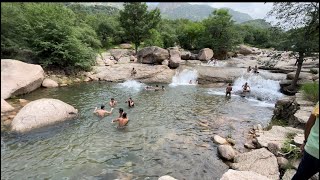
[310, 91]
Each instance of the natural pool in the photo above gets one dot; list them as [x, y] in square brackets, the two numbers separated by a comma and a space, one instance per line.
[162, 138]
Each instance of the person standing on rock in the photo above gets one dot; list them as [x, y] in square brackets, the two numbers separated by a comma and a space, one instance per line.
[309, 164]
[249, 69]
[133, 72]
[102, 112]
[112, 102]
[228, 90]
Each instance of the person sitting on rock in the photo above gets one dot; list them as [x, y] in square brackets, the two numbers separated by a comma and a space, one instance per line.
[228, 89]
[102, 112]
[133, 72]
[123, 121]
[130, 102]
[112, 103]
[255, 70]
[246, 87]
[249, 69]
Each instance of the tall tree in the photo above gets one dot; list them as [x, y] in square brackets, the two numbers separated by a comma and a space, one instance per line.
[303, 18]
[137, 21]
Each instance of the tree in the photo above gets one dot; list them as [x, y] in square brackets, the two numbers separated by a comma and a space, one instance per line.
[303, 18]
[137, 21]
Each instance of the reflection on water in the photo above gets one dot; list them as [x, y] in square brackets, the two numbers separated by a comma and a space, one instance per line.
[163, 136]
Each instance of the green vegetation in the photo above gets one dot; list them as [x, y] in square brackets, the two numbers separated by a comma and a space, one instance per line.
[310, 91]
[292, 152]
[277, 122]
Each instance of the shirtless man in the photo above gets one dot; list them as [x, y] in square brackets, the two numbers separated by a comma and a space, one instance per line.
[246, 87]
[112, 103]
[255, 70]
[228, 89]
[133, 72]
[123, 121]
[130, 102]
[102, 112]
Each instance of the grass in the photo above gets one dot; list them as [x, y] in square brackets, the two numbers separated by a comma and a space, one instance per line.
[291, 151]
[310, 91]
[277, 122]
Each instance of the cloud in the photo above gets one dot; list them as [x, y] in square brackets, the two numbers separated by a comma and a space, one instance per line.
[255, 10]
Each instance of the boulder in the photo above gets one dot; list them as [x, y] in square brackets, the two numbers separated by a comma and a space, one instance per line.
[152, 55]
[49, 83]
[166, 178]
[226, 152]
[282, 162]
[19, 78]
[165, 62]
[219, 140]
[302, 115]
[260, 161]
[133, 58]
[193, 56]
[99, 60]
[42, 112]
[289, 174]
[174, 59]
[274, 148]
[125, 46]
[249, 145]
[302, 75]
[185, 55]
[124, 60]
[242, 175]
[245, 50]
[5, 107]
[118, 53]
[231, 141]
[277, 135]
[298, 139]
[205, 54]
[23, 102]
[285, 109]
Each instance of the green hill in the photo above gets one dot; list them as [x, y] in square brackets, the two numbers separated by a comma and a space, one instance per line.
[259, 23]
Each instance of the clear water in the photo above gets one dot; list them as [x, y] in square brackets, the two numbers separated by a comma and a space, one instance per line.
[163, 136]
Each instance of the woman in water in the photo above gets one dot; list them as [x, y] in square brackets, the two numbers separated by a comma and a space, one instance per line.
[130, 102]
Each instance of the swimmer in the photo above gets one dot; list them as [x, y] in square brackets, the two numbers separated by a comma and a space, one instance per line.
[123, 121]
[228, 89]
[102, 112]
[246, 87]
[249, 69]
[130, 102]
[120, 112]
[162, 88]
[255, 70]
[156, 88]
[112, 103]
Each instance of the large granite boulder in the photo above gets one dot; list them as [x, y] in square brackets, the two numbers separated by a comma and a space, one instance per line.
[260, 161]
[118, 53]
[19, 78]
[285, 109]
[42, 112]
[174, 59]
[245, 50]
[276, 135]
[49, 83]
[205, 54]
[5, 107]
[242, 175]
[152, 55]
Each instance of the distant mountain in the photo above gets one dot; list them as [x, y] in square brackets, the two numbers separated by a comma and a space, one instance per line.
[194, 12]
[260, 23]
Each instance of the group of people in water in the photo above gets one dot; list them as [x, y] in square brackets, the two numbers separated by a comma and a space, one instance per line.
[255, 69]
[122, 119]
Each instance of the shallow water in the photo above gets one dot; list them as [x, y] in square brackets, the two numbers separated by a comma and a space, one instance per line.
[162, 137]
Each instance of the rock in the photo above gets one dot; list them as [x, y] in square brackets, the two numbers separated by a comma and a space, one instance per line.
[125, 46]
[245, 50]
[165, 62]
[118, 53]
[285, 109]
[249, 145]
[289, 174]
[23, 102]
[302, 115]
[274, 148]
[49, 83]
[231, 141]
[193, 56]
[145, 73]
[124, 60]
[63, 84]
[219, 140]
[99, 60]
[303, 76]
[5, 107]
[242, 175]
[296, 163]
[110, 62]
[205, 54]
[282, 162]
[11, 116]
[19, 78]
[276, 135]
[86, 79]
[298, 139]
[260, 161]
[174, 59]
[7, 122]
[226, 152]
[133, 58]
[166, 178]
[42, 112]
[185, 55]
[152, 55]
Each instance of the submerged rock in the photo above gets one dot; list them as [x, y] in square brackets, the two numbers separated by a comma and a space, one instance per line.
[42, 112]
[242, 175]
[18, 77]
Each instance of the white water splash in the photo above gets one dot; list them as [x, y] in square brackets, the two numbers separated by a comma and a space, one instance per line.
[261, 89]
[184, 77]
[131, 85]
[215, 63]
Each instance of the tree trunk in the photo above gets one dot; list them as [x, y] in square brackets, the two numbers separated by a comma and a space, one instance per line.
[136, 47]
[296, 77]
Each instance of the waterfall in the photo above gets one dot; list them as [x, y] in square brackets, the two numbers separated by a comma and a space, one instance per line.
[261, 89]
[184, 77]
[131, 85]
[215, 63]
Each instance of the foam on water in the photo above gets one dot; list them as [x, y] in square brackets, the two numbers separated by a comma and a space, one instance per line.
[215, 64]
[131, 85]
[184, 77]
